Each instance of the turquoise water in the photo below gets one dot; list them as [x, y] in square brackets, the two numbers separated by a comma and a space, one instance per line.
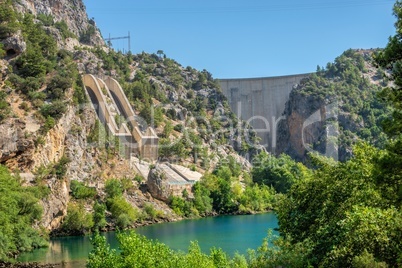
[231, 233]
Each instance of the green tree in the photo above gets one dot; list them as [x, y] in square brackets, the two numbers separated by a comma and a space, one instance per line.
[338, 210]
[138, 251]
[202, 201]
[257, 198]
[99, 215]
[113, 188]
[4, 106]
[55, 110]
[8, 19]
[390, 163]
[19, 209]
[279, 172]
[122, 211]
[80, 191]
[77, 221]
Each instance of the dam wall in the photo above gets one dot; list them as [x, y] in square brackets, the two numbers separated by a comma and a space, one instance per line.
[261, 102]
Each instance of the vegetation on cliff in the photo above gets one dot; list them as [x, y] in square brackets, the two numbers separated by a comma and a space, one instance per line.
[345, 93]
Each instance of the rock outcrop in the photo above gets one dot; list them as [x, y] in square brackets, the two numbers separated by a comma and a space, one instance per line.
[163, 182]
[55, 205]
[333, 109]
[72, 12]
[294, 136]
[16, 149]
[158, 184]
[14, 45]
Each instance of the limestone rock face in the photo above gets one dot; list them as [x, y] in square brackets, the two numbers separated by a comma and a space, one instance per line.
[15, 148]
[54, 145]
[15, 44]
[87, 62]
[305, 128]
[291, 131]
[77, 149]
[55, 205]
[73, 12]
[158, 184]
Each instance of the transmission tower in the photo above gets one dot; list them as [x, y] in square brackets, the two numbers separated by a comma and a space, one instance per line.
[109, 40]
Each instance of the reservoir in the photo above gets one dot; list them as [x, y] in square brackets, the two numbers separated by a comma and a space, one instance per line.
[231, 233]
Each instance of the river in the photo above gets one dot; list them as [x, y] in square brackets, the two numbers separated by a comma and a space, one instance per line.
[231, 233]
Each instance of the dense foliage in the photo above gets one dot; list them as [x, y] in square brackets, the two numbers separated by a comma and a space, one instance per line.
[339, 212]
[137, 251]
[279, 172]
[19, 210]
[222, 192]
[77, 221]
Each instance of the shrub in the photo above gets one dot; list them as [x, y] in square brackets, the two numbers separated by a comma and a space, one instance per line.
[55, 109]
[151, 212]
[99, 215]
[33, 95]
[31, 64]
[49, 124]
[4, 106]
[122, 211]
[60, 168]
[24, 106]
[77, 221]
[178, 127]
[86, 36]
[2, 51]
[58, 86]
[8, 18]
[113, 188]
[63, 28]
[81, 191]
[123, 221]
[138, 178]
[47, 20]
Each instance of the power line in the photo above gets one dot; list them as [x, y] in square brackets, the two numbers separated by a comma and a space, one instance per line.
[108, 40]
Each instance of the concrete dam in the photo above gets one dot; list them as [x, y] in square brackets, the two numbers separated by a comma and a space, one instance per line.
[261, 102]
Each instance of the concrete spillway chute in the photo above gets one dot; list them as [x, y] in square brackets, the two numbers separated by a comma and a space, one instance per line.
[110, 102]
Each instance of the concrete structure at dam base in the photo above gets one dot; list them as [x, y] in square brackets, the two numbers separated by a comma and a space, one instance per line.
[261, 102]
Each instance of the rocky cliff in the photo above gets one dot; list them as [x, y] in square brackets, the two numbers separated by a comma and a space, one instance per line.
[52, 150]
[72, 12]
[335, 108]
[50, 134]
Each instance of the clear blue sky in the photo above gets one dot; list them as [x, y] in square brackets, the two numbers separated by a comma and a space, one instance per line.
[239, 38]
